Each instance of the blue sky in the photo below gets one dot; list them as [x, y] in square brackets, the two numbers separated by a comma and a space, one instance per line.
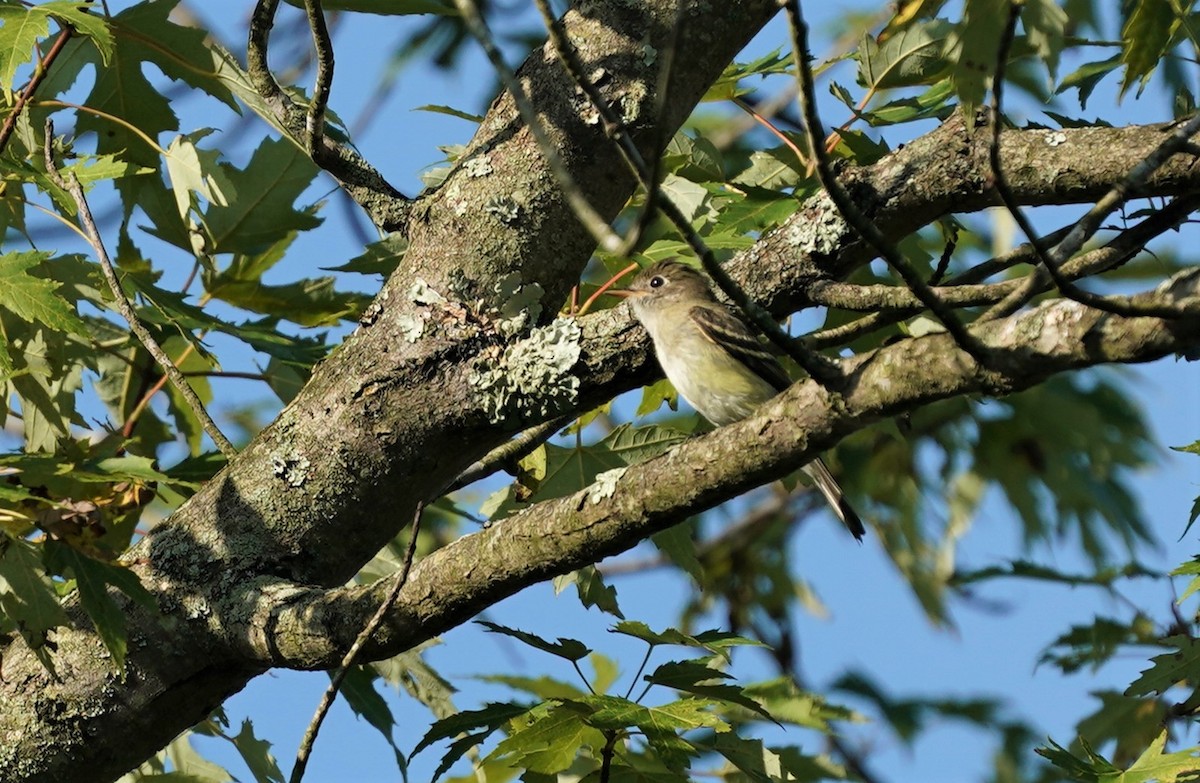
[875, 624]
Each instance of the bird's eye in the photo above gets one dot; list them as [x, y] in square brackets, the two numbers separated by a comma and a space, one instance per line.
[657, 282]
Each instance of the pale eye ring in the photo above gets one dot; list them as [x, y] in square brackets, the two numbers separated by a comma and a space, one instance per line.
[657, 282]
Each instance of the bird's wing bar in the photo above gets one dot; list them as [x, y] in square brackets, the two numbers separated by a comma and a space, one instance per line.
[731, 333]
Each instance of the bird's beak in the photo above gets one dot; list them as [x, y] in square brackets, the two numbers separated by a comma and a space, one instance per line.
[625, 293]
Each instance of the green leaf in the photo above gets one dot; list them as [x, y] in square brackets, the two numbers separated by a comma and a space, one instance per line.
[451, 111]
[774, 168]
[34, 299]
[761, 764]
[688, 197]
[677, 544]
[787, 703]
[92, 578]
[1182, 665]
[142, 34]
[613, 713]
[378, 258]
[592, 589]
[257, 755]
[1146, 37]
[474, 725]
[358, 689]
[1087, 76]
[385, 7]
[193, 170]
[1153, 764]
[972, 50]
[262, 214]
[549, 742]
[654, 395]
[92, 26]
[307, 301]
[26, 595]
[756, 209]
[914, 56]
[554, 471]
[20, 30]
[543, 687]
[570, 649]
[727, 85]
[718, 642]
[1131, 723]
[701, 680]
[1045, 23]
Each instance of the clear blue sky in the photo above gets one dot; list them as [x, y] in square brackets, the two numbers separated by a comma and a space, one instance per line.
[875, 626]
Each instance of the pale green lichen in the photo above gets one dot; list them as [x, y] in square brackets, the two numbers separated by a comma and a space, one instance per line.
[423, 294]
[531, 378]
[605, 485]
[411, 327]
[520, 304]
[478, 167]
[505, 208]
[822, 232]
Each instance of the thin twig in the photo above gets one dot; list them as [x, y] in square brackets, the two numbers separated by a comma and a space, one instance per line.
[591, 220]
[315, 124]
[606, 755]
[1116, 252]
[508, 453]
[262, 19]
[766, 123]
[943, 264]
[849, 211]
[335, 682]
[603, 289]
[70, 183]
[1053, 259]
[820, 368]
[39, 75]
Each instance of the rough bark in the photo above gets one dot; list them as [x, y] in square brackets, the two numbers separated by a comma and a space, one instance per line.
[242, 570]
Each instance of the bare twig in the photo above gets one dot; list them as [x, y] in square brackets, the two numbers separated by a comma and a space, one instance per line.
[766, 123]
[1053, 259]
[39, 75]
[904, 305]
[666, 60]
[339, 676]
[508, 453]
[387, 207]
[849, 211]
[315, 124]
[71, 184]
[595, 224]
[262, 19]
[820, 368]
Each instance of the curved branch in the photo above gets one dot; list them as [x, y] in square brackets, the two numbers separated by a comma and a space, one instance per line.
[387, 207]
[307, 628]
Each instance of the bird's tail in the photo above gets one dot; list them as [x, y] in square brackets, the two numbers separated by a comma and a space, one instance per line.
[836, 498]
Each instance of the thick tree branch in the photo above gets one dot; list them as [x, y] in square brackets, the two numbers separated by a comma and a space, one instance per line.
[382, 421]
[307, 628]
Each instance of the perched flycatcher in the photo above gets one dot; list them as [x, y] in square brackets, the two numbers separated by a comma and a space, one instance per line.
[715, 360]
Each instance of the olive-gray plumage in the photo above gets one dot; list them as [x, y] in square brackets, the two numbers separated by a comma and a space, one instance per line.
[714, 360]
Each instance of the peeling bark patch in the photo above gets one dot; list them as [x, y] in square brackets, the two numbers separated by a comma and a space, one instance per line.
[532, 377]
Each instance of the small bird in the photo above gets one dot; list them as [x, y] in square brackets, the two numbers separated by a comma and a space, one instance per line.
[715, 360]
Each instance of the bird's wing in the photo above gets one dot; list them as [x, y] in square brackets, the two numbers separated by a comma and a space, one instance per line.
[728, 331]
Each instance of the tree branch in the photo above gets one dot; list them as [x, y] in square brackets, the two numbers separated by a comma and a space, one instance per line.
[306, 628]
[70, 183]
[387, 207]
[850, 212]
